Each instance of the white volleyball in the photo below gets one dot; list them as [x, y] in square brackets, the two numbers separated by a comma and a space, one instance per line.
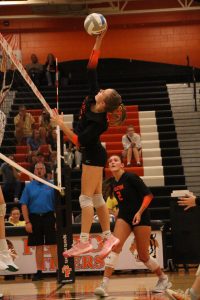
[95, 23]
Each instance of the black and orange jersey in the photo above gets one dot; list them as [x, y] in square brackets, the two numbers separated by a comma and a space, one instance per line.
[91, 125]
[130, 191]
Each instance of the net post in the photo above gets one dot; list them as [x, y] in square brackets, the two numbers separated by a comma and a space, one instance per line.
[66, 269]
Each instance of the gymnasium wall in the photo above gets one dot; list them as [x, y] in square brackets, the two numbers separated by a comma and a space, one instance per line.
[163, 37]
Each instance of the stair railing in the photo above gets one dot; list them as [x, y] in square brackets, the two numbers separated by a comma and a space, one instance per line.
[194, 88]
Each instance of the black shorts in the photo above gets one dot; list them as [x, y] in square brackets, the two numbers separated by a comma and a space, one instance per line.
[44, 232]
[145, 219]
[94, 156]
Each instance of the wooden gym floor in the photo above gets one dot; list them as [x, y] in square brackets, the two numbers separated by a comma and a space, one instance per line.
[122, 287]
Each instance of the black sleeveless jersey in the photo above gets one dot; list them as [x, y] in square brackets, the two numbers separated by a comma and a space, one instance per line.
[91, 125]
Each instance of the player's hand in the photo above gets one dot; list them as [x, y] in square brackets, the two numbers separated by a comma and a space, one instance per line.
[187, 201]
[99, 39]
[137, 218]
[102, 34]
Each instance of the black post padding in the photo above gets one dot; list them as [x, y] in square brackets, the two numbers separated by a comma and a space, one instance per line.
[66, 272]
[185, 227]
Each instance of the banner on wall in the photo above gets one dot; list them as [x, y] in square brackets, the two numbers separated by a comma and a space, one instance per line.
[14, 42]
[128, 259]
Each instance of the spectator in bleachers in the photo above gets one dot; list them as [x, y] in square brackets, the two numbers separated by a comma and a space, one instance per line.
[32, 160]
[52, 163]
[34, 143]
[38, 207]
[132, 146]
[40, 158]
[35, 70]
[52, 141]
[45, 125]
[14, 218]
[43, 135]
[24, 124]
[50, 69]
[11, 182]
[108, 194]
[112, 205]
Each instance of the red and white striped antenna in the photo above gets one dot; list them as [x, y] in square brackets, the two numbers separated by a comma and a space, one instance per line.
[58, 132]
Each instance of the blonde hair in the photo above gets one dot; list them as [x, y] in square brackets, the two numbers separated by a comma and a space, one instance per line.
[115, 106]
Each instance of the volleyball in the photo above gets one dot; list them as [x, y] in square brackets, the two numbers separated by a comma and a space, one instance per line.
[95, 24]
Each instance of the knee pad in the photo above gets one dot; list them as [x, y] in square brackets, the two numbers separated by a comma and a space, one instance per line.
[152, 264]
[111, 260]
[2, 210]
[85, 201]
[98, 200]
[198, 271]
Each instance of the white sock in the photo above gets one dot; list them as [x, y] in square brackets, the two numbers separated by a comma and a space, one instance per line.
[106, 234]
[84, 237]
[105, 280]
[163, 276]
[3, 245]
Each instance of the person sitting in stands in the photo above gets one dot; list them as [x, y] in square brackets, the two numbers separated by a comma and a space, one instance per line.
[52, 141]
[50, 69]
[45, 125]
[132, 145]
[40, 158]
[14, 218]
[34, 143]
[112, 205]
[35, 70]
[52, 165]
[111, 201]
[11, 182]
[24, 124]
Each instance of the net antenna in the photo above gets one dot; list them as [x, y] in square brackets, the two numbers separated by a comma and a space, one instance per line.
[58, 133]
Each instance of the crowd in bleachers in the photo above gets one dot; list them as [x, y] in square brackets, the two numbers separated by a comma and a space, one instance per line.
[37, 71]
[36, 142]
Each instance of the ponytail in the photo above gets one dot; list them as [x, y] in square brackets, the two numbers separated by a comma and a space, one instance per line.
[118, 116]
[115, 108]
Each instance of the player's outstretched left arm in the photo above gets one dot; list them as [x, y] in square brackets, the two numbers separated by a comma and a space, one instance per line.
[94, 57]
[69, 133]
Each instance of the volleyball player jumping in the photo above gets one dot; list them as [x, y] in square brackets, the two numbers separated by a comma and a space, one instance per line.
[93, 121]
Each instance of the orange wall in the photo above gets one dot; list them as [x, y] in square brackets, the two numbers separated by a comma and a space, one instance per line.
[159, 37]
